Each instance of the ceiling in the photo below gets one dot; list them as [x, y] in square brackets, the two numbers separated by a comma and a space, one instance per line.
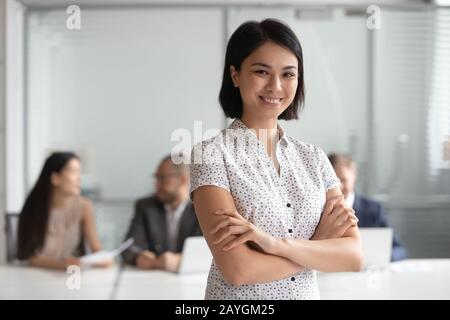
[97, 3]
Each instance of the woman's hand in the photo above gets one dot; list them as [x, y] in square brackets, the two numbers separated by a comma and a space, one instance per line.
[336, 219]
[71, 261]
[146, 260]
[169, 261]
[105, 264]
[234, 230]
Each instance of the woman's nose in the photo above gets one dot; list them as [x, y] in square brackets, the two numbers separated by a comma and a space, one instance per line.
[274, 84]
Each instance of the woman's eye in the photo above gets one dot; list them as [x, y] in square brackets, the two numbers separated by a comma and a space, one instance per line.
[261, 72]
[290, 75]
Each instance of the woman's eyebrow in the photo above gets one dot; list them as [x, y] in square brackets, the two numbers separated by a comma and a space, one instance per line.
[269, 67]
[261, 65]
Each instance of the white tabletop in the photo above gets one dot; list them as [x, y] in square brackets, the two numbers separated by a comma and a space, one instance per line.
[20, 282]
[409, 279]
[154, 285]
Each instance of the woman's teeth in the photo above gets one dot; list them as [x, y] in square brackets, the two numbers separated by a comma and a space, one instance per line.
[271, 100]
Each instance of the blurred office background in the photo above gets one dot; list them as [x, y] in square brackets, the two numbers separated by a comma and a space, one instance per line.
[115, 90]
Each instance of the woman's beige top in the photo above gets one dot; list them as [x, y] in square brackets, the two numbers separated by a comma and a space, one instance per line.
[64, 231]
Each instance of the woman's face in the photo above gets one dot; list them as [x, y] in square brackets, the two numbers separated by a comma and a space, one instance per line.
[267, 81]
[68, 180]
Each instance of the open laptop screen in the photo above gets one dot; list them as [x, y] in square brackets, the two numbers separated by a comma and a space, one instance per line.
[376, 246]
[196, 256]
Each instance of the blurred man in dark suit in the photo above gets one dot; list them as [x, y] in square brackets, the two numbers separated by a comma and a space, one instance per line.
[163, 220]
[371, 214]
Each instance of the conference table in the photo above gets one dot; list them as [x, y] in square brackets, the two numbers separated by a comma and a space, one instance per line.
[21, 282]
[408, 279]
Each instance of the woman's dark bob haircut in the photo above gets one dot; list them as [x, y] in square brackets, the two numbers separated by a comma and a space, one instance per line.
[246, 39]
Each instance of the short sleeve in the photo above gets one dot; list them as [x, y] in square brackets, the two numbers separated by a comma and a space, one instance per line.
[207, 167]
[329, 178]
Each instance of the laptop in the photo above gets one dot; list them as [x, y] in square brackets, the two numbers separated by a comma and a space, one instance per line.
[196, 257]
[376, 246]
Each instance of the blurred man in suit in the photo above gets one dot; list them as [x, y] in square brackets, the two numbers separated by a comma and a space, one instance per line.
[163, 221]
[371, 214]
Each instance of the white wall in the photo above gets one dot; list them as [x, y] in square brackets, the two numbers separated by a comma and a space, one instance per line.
[15, 155]
[2, 129]
[402, 88]
[116, 89]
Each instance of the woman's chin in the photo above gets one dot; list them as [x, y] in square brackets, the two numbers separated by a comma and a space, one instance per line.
[268, 105]
[272, 111]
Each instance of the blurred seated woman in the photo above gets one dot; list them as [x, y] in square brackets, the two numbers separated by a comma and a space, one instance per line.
[55, 218]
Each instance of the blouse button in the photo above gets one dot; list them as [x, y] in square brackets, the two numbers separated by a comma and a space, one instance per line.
[290, 230]
[293, 279]
[288, 205]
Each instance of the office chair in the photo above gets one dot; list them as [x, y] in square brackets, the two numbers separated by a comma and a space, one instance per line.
[11, 224]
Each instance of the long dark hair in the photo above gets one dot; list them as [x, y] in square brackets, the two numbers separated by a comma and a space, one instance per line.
[34, 216]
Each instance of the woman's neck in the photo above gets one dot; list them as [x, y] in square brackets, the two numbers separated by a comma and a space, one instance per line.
[260, 124]
[61, 200]
[266, 131]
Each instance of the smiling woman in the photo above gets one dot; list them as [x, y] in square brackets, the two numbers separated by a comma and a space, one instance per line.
[256, 76]
[259, 60]
[260, 203]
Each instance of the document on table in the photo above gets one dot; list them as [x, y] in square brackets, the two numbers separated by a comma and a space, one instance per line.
[102, 256]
